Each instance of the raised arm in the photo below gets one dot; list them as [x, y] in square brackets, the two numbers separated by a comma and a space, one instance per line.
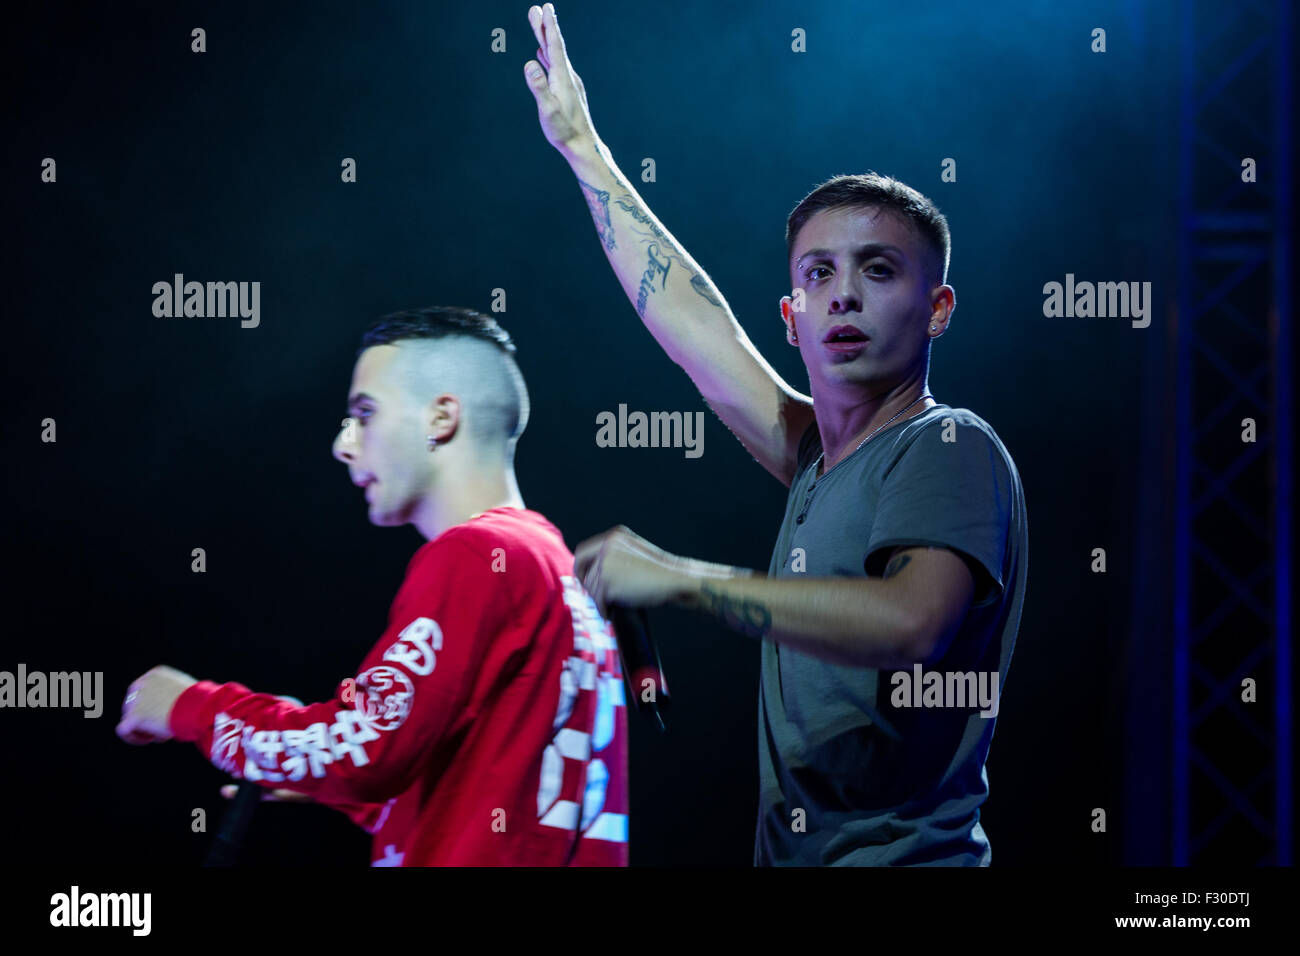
[678, 303]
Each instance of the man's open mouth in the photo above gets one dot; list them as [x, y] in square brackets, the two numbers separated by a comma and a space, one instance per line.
[845, 333]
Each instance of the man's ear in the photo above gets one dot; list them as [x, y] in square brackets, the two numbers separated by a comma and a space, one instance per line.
[944, 302]
[445, 419]
[787, 316]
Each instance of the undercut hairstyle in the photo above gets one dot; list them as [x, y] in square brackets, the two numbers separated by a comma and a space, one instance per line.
[871, 189]
[463, 353]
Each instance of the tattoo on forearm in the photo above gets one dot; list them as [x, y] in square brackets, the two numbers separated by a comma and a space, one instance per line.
[750, 618]
[657, 266]
[896, 564]
[598, 203]
[701, 285]
[629, 206]
[698, 282]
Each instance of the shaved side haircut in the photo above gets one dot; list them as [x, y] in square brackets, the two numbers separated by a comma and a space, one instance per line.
[449, 350]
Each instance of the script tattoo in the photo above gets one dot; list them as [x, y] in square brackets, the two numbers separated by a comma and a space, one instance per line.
[657, 265]
[626, 203]
[629, 206]
[598, 203]
[896, 564]
[750, 618]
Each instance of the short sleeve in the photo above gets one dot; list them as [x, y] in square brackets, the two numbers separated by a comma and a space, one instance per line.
[954, 494]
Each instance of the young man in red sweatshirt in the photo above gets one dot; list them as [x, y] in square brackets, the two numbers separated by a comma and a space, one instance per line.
[487, 725]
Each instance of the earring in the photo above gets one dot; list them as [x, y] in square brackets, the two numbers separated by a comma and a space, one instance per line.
[433, 442]
[791, 338]
[933, 327]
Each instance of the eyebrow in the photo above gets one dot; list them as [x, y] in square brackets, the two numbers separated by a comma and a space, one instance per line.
[863, 251]
[358, 398]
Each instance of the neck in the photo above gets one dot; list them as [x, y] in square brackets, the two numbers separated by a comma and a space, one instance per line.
[844, 418]
[466, 495]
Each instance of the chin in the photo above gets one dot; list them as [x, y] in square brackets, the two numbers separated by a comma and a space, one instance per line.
[389, 517]
[849, 373]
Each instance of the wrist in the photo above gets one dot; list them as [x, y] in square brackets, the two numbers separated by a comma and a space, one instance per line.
[586, 154]
[185, 717]
[698, 576]
[686, 593]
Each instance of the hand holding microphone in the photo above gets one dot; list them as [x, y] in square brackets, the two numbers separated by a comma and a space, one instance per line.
[244, 799]
[624, 574]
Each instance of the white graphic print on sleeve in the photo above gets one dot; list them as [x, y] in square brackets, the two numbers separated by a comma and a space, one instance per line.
[387, 695]
[414, 647]
[278, 755]
[592, 669]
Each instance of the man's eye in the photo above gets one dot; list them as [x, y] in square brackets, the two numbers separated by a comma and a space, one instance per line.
[816, 269]
[881, 265]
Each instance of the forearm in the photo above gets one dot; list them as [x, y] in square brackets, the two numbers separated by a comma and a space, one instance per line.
[855, 621]
[678, 303]
[326, 750]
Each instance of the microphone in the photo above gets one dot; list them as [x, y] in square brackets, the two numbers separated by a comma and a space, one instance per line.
[230, 836]
[640, 662]
[224, 850]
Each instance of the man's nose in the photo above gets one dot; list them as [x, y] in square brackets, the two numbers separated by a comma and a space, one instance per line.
[342, 449]
[845, 296]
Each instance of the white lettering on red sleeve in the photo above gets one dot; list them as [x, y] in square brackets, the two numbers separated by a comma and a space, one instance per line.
[226, 732]
[348, 736]
[386, 698]
[415, 646]
[307, 751]
[262, 752]
[276, 754]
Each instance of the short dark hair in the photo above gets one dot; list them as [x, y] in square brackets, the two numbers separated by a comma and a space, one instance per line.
[503, 400]
[873, 189]
[436, 322]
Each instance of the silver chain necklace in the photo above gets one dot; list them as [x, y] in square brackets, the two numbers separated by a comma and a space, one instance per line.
[818, 463]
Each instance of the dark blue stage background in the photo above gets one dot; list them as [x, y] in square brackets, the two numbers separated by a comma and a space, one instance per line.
[175, 434]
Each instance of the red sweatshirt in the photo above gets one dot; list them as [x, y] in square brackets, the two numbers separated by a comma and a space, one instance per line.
[486, 727]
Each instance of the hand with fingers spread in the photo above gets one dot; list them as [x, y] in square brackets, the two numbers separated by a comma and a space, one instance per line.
[621, 567]
[561, 98]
